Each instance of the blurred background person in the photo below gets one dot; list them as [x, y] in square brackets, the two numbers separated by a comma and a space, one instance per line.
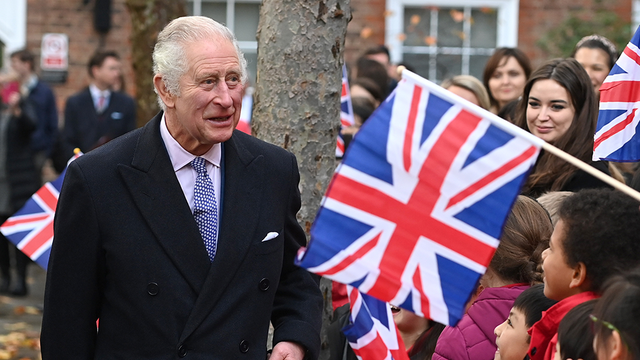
[505, 75]
[373, 70]
[97, 114]
[19, 179]
[43, 101]
[381, 54]
[468, 88]
[597, 55]
[367, 88]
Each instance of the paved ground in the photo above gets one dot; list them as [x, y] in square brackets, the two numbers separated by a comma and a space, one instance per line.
[20, 319]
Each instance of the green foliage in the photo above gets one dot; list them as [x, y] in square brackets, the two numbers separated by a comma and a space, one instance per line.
[561, 40]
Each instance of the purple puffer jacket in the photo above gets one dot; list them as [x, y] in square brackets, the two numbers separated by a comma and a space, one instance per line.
[473, 337]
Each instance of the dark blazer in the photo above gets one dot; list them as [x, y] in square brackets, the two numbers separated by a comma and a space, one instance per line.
[86, 129]
[44, 105]
[127, 250]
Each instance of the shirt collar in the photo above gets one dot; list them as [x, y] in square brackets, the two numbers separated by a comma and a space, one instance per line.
[181, 157]
[96, 93]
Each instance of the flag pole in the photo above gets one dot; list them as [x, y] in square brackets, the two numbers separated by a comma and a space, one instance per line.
[592, 171]
[508, 127]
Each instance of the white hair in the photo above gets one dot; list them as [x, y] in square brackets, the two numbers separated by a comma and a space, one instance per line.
[169, 59]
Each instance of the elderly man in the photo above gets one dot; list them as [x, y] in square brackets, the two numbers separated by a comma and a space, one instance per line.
[180, 236]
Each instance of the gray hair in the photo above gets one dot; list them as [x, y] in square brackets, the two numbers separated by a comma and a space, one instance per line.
[169, 59]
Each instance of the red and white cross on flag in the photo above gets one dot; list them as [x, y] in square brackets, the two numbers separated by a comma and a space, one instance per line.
[414, 212]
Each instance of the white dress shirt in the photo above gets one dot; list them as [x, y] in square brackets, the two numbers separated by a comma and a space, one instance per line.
[181, 159]
[96, 94]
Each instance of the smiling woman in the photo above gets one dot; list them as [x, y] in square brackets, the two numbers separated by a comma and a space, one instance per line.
[559, 106]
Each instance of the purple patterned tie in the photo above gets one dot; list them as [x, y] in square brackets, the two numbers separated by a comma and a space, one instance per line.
[205, 210]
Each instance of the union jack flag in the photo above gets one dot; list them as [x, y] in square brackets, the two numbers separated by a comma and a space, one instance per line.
[616, 137]
[346, 111]
[372, 333]
[31, 228]
[414, 212]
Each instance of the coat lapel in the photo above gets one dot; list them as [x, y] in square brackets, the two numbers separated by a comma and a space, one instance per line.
[159, 198]
[240, 213]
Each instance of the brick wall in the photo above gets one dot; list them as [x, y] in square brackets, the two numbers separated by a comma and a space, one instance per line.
[74, 18]
[366, 28]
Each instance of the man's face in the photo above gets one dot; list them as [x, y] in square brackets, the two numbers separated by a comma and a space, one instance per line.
[208, 108]
[108, 74]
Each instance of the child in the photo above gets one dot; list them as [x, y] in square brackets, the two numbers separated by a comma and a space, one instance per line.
[597, 236]
[575, 337]
[616, 318]
[512, 336]
[514, 267]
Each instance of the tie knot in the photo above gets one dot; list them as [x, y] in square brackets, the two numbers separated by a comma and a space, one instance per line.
[199, 165]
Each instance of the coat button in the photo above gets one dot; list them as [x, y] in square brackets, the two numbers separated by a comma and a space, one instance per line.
[152, 289]
[264, 284]
[182, 351]
[533, 351]
[244, 346]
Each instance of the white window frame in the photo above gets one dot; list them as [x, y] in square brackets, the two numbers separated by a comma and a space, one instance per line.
[245, 46]
[13, 25]
[507, 32]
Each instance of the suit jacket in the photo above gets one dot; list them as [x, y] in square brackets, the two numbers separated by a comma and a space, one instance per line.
[127, 250]
[86, 129]
[44, 104]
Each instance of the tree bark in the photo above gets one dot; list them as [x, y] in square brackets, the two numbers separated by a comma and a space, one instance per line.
[298, 89]
[148, 18]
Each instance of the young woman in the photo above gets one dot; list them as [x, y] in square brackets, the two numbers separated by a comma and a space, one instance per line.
[505, 75]
[597, 55]
[559, 106]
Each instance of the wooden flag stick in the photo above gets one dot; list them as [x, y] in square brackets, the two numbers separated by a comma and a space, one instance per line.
[591, 170]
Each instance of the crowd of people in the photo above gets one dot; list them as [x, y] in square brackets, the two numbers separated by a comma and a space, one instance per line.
[156, 230]
[569, 240]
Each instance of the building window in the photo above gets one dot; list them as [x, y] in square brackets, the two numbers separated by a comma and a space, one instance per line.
[441, 39]
[241, 17]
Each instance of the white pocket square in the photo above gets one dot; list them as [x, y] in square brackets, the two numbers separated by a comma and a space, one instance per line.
[271, 235]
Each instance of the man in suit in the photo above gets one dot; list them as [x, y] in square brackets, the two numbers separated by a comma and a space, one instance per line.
[97, 114]
[181, 236]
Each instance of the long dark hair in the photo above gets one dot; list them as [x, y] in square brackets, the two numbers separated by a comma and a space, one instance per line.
[425, 346]
[550, 171]
[496, 59]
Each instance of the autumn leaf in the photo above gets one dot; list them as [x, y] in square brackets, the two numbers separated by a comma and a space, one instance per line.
[457, 16]
[430, 40]
[366, 32]
[415, 19]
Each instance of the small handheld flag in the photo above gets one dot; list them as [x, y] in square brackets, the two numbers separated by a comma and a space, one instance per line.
[616, 137]
[346, 111]
[31, 227]
[414, 212]
[372, 333]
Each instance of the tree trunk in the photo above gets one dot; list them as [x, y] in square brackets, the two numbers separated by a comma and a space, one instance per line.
[148, 18]
[298, 89]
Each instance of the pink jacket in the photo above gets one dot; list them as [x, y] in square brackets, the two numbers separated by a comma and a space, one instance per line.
[473, 337]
